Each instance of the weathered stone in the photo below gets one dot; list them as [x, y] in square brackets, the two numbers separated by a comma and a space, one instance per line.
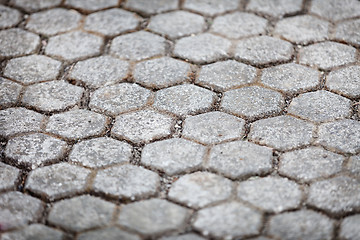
[211, 7]
[9, 17]
[91, 5]
[110, 233]
[349, 229]
[35, 5]
[275, 8]
[8, 177]
[9, 92]
[16, 42]
[345, 81]
[148, 7]
[353, 165]
[34, 231]
[189, 236]
[336, 10]
[349, 32]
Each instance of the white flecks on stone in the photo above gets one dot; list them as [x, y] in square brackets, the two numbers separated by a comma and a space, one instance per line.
[148, 7]
[275, 8]
[91, 5]
[35, 5]
[211, 7]
[349, 32]
[8, 177]
[353, 165]
[345, 81]
[336, 10]
[9, 17]
[34, 231]
[9, 92]
[109, 233]
[16, 42]
[349, 229]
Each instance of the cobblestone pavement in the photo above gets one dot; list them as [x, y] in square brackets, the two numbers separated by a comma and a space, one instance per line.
[179, 119]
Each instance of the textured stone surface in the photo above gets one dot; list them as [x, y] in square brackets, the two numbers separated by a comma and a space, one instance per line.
[283, 132]
[35, 5]
[349, 229]
[349, 32]
[100, 152]
[353, 165]
[110, 233]
[345, 81]
[202, 48]
[34, 231]
[148, 7]
[91, 5]
[8, 177]
[16, 42]
[336, 10]
[240, 159]
[9, 17]
[263, 50]
[143, 126]
[275, 8]
[153, 216]
[211, 7]
[173, 156]
[9, 92]
[188, 236]
[232, 219]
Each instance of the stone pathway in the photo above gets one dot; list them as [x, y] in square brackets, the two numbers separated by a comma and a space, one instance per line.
[179, 119]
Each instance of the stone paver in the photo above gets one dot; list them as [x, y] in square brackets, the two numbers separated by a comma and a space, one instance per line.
[336, 10]
[91, 5]
[345, 81]
[9, 92]
[110, 233]
[148, 7]
[211, 7]
[275, 8]
[8, 177]
[188, 236]
[349, 229]
[35, 5]
[353, 165]
[16, 42]
[9, 17]
[349, 32]
[34, 231]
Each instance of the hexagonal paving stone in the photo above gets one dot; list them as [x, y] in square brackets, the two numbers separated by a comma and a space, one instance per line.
[19, 209]
[188, 236]
[76, 124]
[58, 180]
[336, 10]
[213, 127]
[291, 78]
[34, 231]
[153, 217]
[52, 96]
[184, 99]
[349, 32]
[339, 195]
[353, 165]
[100, 152]
[33, 150]
[310, 163]
[320, 106]
[200, 189]
[263, 50]
[284, 193]
[110, 233]
[161, 72]
[143, 126]
[111, 22]
[91, 5]
[302, 224]
[202, 48]
[173, 156]
[32, 69]
[302, 29]
[240, 159]
[126, 181]
[228, 220]
[81, 213]
[239, 24]
[9, 17]
[345, 81]
[282, 133]
[148, 7]
[177, 24]
[19, 120]
[327, 55]
[15, 42]
[275, 8]
[349, 229]
[74, 46]
[119, 98]
[9, 92]
[100, 71]
[211, 7]
[138, 46]
[35, 5]
[53, 21]
[342, 135]
[8, 177]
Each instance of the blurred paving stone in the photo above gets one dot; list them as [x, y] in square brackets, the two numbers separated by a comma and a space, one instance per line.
[199, 189]
[143, 126]
[173, 156]
[336, 10]
[177, 24]
[222, 76]
[35, 5]
[213, 127]
[349, 32]
[81, 213]
[291, 78]
[126, 181]
[284, 194]
[202, 48]
[327, 55]
[263, 50]
[35, 149]
[239, 24]
[153, 217]
[161, 72]
[138, 46]
[320, 106]
[19, 210]
[349, 229]
[342, 135]
[111, 22]
[119, 98]
[100, 152]
[184, 99]
[52, 96]
[34, 231]
[310, 163]
[260, 238]
[353, 165]
[110, 233]
[302, 29]
[8, 177]
[252, 102]
[211, 7]
[345, 81]
[32, 69]
[58, 180]
[53, 21]
[275, 8]
[282, 133]
[240, 159]
[16, 42]
[100, 71]
[76, 124]
[9, 17]
[91, 5]
[338, 195]
[19, 120]
[228, 220]
[74, 46]
[301, 224]
[148, 7]
[9, 92]
[188, 236]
